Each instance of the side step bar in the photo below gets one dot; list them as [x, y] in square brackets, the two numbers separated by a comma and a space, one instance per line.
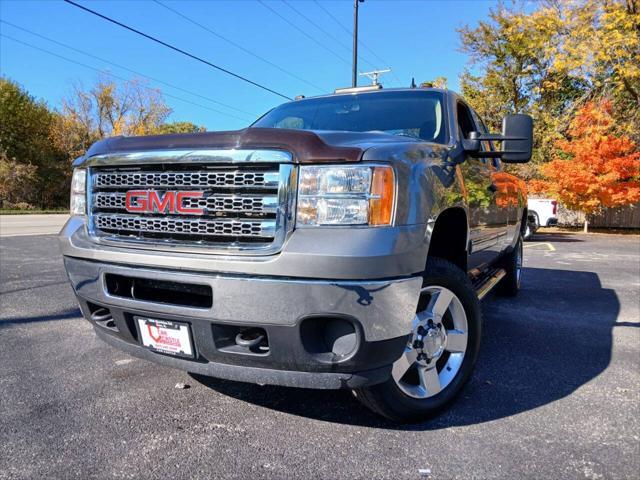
[483, 284]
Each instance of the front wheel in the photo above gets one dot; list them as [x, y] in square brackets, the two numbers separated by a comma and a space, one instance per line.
[440, 354]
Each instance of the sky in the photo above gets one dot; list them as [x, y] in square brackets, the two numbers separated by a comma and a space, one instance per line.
[416, 39]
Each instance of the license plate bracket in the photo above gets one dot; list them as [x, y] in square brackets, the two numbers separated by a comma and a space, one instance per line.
[165, 336]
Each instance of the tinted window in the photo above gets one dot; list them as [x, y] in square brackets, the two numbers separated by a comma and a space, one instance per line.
[416, 114]
[465, 121]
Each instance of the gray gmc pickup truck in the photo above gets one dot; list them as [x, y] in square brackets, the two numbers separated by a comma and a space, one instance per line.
[341, 241]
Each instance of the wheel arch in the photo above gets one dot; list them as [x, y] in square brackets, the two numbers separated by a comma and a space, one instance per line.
[524, 220]
[450, 237]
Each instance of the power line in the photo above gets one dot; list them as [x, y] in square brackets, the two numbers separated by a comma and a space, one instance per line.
[313, 39]
[116, 76]
[349, 32]
[251, 115]
[238, 46]
[339, 42]
[176, 49]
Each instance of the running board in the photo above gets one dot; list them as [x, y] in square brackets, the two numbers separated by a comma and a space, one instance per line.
[484, 284]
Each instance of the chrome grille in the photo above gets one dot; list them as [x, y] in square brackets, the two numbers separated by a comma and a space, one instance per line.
[187, 226]
[244, 207]
[211, 204]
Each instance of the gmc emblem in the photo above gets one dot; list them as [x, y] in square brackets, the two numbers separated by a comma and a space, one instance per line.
[150, 201]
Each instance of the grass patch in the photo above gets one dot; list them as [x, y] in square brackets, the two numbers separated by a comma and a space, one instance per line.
[10, 211]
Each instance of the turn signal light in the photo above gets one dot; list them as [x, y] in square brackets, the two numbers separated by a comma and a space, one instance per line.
[382, 196]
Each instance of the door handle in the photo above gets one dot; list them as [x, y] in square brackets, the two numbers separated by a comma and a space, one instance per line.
[492, 188]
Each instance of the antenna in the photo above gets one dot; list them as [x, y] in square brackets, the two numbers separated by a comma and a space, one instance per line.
[374, 75]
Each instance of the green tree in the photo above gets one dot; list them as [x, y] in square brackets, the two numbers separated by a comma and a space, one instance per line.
[30, 167]
[179, 127]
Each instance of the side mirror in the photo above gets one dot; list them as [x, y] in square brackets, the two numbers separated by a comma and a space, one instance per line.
[517, 131]
[471, 145]
[516, 139]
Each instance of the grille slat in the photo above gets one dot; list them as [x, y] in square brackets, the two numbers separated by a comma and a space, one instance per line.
[201, 179]
[243, 207]
[211, 204]
[186, 226]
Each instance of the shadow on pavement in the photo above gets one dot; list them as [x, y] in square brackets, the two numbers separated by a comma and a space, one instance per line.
[559, 237]
[537, 348]
[73, 313]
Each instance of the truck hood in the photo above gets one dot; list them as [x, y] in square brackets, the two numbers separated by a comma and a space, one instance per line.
[305, 146]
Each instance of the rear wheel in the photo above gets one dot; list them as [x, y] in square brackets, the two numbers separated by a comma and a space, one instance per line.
[440, 354]
[512, 263]
[536, 221]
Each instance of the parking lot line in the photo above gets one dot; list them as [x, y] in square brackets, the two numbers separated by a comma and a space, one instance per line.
[550, 247]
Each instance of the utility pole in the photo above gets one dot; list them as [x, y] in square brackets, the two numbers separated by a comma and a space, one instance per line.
[354, 72]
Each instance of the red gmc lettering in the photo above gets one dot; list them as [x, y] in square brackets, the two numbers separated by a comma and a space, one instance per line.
[140, 198]
[160, 206]
[150, 201]
[188, 211]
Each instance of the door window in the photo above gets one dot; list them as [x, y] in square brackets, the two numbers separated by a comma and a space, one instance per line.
[465, 120]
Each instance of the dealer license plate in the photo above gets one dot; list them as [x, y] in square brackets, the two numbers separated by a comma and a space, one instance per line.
[165, 336]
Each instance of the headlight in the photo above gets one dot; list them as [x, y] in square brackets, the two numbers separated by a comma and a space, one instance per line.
[353, 195]
[78, 204]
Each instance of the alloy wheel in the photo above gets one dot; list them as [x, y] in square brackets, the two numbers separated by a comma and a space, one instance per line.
[437, 345]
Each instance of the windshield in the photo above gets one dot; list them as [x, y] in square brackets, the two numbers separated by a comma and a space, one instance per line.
[413, 113]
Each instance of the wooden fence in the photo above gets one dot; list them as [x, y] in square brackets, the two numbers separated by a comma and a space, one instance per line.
[625, 217]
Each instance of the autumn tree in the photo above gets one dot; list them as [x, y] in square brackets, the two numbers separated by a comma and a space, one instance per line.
[593, 168]
[38, 144]
[107, 109]
[518, 57]
[438, 82]
[617, 60]
[550, 61]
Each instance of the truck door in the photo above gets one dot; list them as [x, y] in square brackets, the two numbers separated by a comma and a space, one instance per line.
[503, 186]
[507, 200]
[486, 226]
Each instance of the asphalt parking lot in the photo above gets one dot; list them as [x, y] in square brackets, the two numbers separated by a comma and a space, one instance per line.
[556, 393]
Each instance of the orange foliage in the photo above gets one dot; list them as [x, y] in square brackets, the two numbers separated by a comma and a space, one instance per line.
[510, 189]
[594, 168]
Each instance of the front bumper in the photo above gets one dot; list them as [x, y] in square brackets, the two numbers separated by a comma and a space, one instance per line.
[381, 311]
[340, 253]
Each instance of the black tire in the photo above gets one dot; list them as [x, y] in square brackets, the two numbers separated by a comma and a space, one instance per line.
[536, 221]
[528, 231]
[387, 399]
[510, 285]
